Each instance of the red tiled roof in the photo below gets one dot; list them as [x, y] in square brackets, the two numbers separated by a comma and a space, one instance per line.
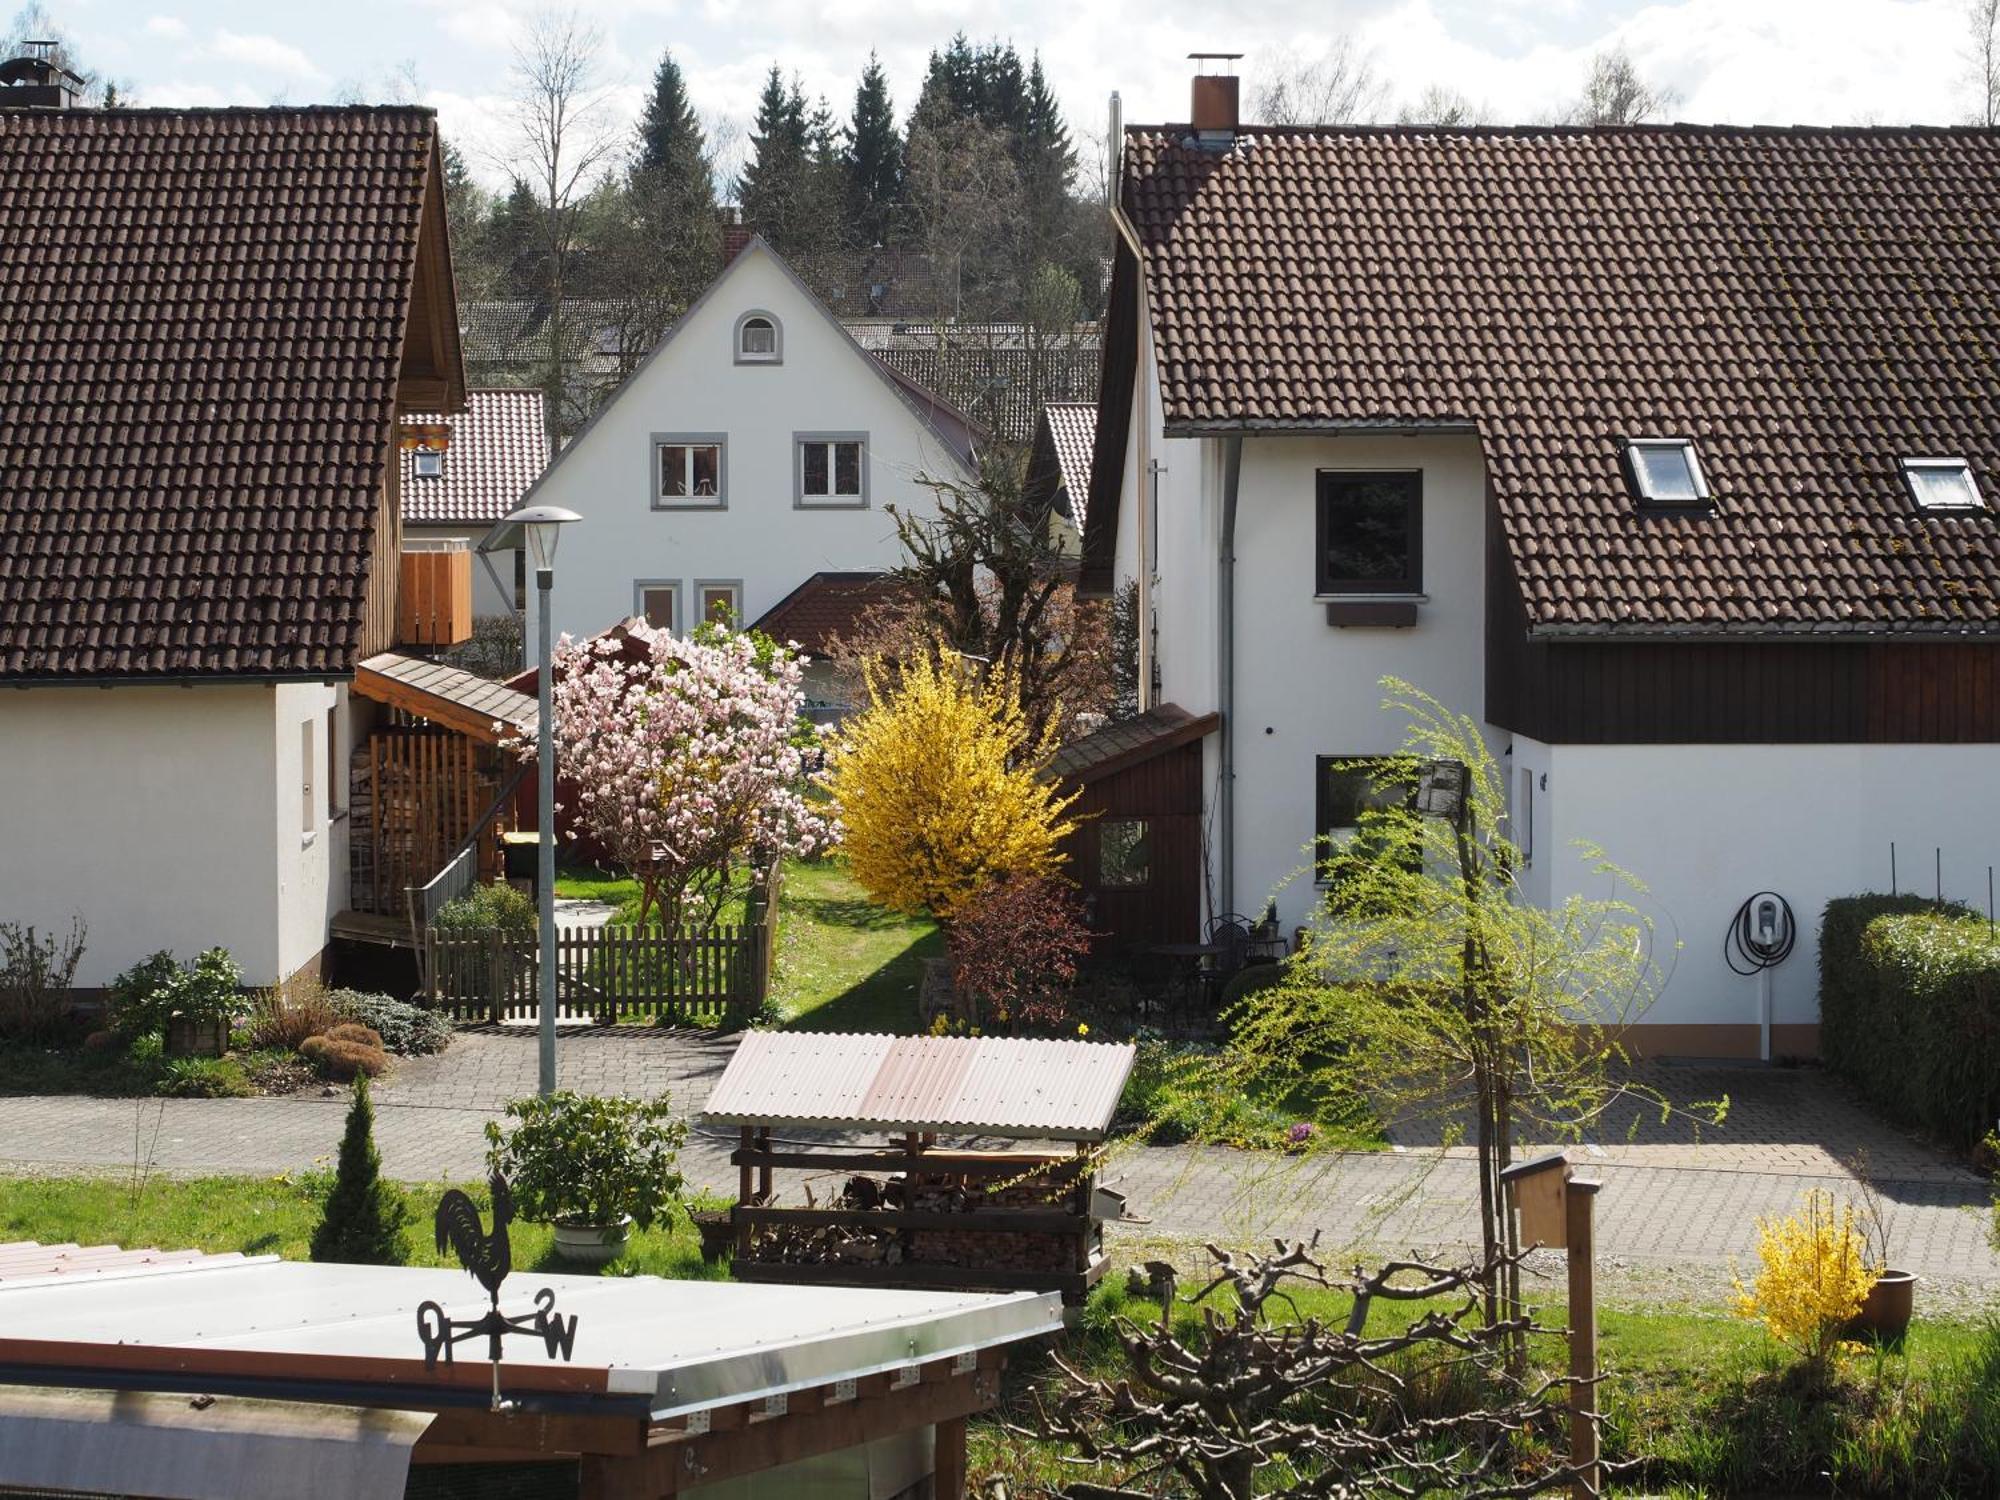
[827, 606]
[1808, 305]
[499, 447]
[202, 317]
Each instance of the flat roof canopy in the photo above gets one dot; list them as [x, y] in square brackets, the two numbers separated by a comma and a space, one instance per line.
[1007, 1086]
[643, 1345]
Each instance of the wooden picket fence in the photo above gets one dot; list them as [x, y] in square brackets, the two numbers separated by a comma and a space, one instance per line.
[615, 975]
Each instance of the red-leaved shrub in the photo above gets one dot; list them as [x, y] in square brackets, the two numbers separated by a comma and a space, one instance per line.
[1014, 950]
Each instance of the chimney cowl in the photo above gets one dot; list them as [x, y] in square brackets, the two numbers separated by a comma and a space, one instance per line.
[37, 81]
[1214, 106]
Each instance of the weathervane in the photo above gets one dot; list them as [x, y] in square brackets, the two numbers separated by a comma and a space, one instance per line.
[488, 1257]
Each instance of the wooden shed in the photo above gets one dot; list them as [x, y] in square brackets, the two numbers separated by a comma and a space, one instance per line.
[1136, 852]
[909, 1210]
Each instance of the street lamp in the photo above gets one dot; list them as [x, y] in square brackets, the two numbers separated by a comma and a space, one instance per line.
[538, 527]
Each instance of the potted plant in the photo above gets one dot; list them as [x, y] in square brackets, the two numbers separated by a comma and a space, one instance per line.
[191, 1006]
[1886, 1310]
[591, 1166]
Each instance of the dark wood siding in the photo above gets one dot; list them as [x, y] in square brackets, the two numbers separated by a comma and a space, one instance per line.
[1115, 392]
[1722, 691]
[1166, 791]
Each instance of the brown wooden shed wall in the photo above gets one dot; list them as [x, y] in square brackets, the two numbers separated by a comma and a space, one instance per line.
[1166, 791]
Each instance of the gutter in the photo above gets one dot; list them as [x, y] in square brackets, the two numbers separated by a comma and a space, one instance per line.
[1763, 634]
[1225, 816]
[210, 679]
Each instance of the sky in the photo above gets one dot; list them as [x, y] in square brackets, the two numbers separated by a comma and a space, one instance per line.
[1740, 61]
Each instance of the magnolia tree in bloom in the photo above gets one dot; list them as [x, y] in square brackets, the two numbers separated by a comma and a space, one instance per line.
[679, 754]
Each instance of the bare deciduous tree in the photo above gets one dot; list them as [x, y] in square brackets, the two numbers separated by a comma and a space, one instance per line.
[1264, 1401]
[563, 138]
[1615, 94]
[963, 198]
[1983, 23]
[1340, 87]
[1439, 105]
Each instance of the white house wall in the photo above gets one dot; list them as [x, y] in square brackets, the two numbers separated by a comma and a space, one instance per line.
[151, 812]
[305, 859]
[761, 538]
[1706, 826]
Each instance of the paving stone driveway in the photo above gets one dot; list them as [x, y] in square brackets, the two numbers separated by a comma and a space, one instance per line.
[1673, 1195]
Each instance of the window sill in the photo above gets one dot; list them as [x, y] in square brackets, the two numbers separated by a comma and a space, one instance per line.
[1379, 614]
[1390, 596]
[702, 502]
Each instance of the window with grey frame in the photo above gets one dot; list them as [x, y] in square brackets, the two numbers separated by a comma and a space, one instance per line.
[687, 472]
[760, 339]
[719, 602]
[658, 604]
[1350, 793]
[832, 469]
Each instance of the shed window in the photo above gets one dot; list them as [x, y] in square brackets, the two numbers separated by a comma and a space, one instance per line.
[1370, 533]
[1124, 853]
[1667, 471]
[690, 471]
[1942, 484]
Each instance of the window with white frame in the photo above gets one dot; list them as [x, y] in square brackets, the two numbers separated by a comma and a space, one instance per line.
[832, 469]
[759, 339]
[688, 471]
[1666, 471]
[657, 603]
[1942, 484]
[720, 602]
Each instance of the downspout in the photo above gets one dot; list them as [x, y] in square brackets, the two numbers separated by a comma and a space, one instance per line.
[1142, 467]
[1225, 690]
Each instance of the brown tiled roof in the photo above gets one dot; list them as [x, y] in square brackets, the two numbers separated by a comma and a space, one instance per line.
[1808, 305]
[1164, 727]
[826, 607]
[1000, 385]
[202, 316]
[499, 447]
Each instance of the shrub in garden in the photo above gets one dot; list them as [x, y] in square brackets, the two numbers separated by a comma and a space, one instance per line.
[488, 908]
[352, 1031]
[1910, 1011]
[343, 1059]
[37, 971]
[1813, 1277]
[406, 1029]
[1014, 950]
[202, 1078]
[362, 1220]
[207, 991]
[589, 1161]
[940, 789]
[286, 1015]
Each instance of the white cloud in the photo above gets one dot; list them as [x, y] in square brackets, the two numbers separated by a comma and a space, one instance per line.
[167, 28]
[265, 53]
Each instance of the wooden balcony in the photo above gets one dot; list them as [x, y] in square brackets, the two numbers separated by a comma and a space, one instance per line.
[434, 596]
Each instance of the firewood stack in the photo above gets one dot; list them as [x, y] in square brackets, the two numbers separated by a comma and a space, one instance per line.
[987, 1249]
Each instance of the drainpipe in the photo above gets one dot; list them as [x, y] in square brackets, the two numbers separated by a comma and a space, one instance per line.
[1142, 466]
[1225, 690]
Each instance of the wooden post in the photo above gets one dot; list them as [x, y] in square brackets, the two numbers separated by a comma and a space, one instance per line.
[948, 1464]
[743, 1192]
[764, 1172]
[1579, 1195]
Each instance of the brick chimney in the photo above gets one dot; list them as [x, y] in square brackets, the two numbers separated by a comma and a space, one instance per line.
[1214, 110]
[736, 235]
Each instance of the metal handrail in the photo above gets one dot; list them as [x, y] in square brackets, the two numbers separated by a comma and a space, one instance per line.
[455, 879]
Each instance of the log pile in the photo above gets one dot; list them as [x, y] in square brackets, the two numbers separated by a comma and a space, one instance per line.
[988, 1249]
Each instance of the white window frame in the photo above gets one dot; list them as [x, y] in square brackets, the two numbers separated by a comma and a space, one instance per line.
[690, 440]
[703, 587]
[1637, 445]
[641, 587]
[1912, 467]
[830, 441]
[775, 355]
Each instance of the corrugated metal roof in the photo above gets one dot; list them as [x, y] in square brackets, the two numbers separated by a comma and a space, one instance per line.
[1009, 1086]
[21, 1259]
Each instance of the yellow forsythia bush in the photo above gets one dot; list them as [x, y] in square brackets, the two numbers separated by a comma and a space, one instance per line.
[940, 791]
[1813, 1277]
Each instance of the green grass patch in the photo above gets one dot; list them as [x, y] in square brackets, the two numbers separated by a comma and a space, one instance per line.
[107, 1073]
[276, 1216]
[844, 963]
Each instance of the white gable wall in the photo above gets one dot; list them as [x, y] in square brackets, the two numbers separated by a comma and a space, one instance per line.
[760, 538]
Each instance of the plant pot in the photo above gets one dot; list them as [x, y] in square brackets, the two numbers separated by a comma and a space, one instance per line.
[187, 1037]
[592, 1244]
[1885, 1312]
[718, 1235]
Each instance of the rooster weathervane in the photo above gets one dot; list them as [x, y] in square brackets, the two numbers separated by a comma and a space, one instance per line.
[488, 1257]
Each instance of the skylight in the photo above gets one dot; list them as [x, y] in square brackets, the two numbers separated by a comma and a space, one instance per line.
[1942, 484]
[1666, 471]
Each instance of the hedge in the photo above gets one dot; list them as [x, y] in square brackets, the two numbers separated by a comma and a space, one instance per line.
[1909, 1010]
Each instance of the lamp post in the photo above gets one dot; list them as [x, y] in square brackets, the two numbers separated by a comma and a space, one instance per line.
[538, 526]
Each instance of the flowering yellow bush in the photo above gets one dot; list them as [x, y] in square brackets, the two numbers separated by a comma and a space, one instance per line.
[940, 791]
[1813, 1279]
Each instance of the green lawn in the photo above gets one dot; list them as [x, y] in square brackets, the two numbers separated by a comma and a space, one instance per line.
[844, 963]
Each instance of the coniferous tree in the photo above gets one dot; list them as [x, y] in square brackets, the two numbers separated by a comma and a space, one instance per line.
[362, 1221]
[659, 237]
[773, 181]
[670, 136]
[874, 158]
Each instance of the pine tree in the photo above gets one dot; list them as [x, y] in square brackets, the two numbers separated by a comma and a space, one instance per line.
[362, 1221]
[660, 239]
[772, 187]
[670, 136]
[874, 157]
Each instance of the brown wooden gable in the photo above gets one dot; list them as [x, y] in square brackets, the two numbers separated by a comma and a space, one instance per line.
[432, 374]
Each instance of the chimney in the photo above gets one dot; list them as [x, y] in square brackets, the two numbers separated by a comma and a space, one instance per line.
[736, 235]
[1214, 112]
[37, 81]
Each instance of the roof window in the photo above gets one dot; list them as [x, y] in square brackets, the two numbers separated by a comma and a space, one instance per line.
[1942, 484]
[430, 463]
[1666, 471]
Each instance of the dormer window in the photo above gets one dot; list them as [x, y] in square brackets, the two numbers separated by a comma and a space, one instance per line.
[1942, 484]
[759, 340]
[1666, 471]
[430, 463]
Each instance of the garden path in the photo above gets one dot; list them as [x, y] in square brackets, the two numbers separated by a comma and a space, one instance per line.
[1672, 1196]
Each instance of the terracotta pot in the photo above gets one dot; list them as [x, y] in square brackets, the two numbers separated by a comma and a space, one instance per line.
[592, 1244]
[718, 1235]
[1885, 1313]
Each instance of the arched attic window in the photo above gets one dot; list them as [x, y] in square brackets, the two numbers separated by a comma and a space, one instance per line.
[760, 339]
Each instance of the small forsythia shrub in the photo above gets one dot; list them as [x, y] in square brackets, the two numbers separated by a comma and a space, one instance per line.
[940, 789]
[362, 1221]
[1812, 1279]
